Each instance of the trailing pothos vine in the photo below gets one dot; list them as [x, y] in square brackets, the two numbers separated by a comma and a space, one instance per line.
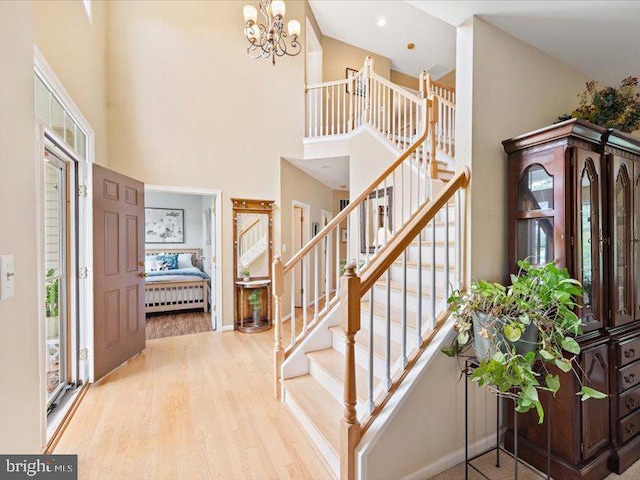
[544, 297]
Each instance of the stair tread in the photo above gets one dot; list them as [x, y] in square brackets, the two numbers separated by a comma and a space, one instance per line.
[332, 362]
[322, 410]
[379, 343]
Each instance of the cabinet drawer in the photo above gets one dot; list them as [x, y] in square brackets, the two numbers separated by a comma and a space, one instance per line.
[628, 377]
[629, 427]
[629, 351]
[629, 402]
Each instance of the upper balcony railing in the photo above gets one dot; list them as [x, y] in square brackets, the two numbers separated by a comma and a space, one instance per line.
[394, 112]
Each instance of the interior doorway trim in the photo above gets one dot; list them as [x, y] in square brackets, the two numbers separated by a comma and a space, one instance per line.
[305, 237]
[217, 277]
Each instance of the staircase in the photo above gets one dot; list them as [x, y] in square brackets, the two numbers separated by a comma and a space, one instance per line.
[252, 242]
[352, 346]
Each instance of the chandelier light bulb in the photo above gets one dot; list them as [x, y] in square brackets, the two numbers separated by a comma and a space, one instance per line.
[254, 32]
[250, 13]
[294, 28]
[278, 8]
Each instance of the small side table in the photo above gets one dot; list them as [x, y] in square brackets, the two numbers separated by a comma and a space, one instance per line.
[247, 325]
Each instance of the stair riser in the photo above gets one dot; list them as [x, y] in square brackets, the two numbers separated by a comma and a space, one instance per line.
[362, 357]
[380, 326]
[397, 297]
[335, 388]
[427, 253]
[397, 274]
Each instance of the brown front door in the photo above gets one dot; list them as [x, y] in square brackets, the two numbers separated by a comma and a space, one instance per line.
[118, 263]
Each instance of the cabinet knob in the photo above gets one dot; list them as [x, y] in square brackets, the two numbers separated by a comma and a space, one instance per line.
[630, 403]
[630, 353]
[630, 378]
[631, 428]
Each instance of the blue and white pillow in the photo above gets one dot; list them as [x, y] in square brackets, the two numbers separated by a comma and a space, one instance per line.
[167, 261]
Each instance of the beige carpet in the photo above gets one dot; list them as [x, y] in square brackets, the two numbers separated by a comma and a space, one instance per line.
[176, 324]
[505, 472]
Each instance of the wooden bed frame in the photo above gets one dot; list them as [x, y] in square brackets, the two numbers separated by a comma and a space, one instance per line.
[177, 295]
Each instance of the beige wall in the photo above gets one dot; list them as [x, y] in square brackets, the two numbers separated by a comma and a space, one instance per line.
[76, 51]
[337, 56]
[515, 88]
[449, 79]
[20, 405]
[297, 185]
[405, 80]
[188, 107]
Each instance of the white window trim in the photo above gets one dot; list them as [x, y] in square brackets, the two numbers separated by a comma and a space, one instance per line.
[85, 227]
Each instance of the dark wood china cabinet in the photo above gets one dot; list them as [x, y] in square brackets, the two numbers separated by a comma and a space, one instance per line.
[574, 197]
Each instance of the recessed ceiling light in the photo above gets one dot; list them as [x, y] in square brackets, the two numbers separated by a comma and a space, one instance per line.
[381, 22]
[411, 46]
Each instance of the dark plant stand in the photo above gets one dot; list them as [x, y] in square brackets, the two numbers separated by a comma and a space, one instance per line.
[470, 365]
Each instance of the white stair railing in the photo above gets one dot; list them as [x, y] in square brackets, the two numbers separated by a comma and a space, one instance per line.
[366, 98]
[252, 241]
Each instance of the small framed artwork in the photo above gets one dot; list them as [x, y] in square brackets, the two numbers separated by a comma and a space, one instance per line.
[360, 87]
[315, 228]
[163, 225]
[344, 235]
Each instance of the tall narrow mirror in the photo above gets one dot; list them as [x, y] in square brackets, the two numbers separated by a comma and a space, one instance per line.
[252, 245]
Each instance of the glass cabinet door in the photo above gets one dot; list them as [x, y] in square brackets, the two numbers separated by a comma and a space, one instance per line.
[621, 235]
[587, 232]
[534, 224]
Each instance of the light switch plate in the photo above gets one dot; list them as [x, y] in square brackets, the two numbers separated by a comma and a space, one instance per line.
[7, 277]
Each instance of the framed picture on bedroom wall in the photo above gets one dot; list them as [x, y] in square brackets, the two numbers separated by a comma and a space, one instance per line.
[163, 225]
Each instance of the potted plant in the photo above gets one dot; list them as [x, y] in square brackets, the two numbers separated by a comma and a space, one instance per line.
[246, 274]
[610, 107]
[255, 300]
[51, 305]
[519, 332]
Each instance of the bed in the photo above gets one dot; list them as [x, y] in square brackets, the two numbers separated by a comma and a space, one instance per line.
[183, 288]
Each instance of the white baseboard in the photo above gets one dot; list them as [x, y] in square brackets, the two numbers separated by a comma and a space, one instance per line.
[227, 328]
[454, 458]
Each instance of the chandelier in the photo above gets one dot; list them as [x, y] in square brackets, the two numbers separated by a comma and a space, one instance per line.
[270, 39]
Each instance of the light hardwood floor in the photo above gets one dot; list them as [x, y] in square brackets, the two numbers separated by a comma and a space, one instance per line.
[175, 324]
[191, 407]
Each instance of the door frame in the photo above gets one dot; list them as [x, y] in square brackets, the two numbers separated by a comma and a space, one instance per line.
[216, 316]
[306, 237]
[84, 300]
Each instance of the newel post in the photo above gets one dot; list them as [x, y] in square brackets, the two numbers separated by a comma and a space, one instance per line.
[422, 82]
[433, 120]
[351, 86]
[368, 68]
[278, 350]
[350, 322]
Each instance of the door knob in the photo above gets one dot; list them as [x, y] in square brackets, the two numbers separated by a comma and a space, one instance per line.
[143, 275]
[141, 263]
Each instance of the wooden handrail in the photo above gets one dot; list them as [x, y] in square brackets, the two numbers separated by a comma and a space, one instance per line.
[443, 100]
[400, 242]
[342, 216]
[246, 229]
[328, 84]
[399, 89]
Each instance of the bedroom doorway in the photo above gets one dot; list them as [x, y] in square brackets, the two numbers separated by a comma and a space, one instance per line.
[182, 245]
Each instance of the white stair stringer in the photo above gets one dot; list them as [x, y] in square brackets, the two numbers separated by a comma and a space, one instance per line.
[254, 252]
